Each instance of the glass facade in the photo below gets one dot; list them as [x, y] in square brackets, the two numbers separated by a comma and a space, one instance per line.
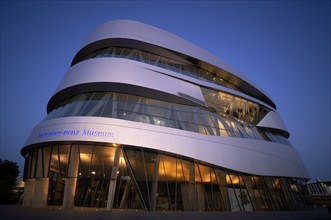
[67, 170]
[161, 113]
[157, 181]
[185, 68]
[234, 106]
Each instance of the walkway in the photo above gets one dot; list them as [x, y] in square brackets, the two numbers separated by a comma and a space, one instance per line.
[55, 213]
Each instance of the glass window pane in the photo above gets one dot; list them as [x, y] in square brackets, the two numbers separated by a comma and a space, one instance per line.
[262, 200]
[233, 190]
[163, 200]
[142, 166]
[57, 174]
[47, 157]
[221, 180]
[33, 162]
[85, 155]
[64, 156]
[244, 196]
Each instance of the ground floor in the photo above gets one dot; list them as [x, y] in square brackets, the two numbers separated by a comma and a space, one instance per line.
[111, 176]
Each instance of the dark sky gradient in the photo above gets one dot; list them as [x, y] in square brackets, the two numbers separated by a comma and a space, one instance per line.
[282, 46]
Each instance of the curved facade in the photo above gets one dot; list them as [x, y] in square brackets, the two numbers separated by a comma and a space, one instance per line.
[145, 119]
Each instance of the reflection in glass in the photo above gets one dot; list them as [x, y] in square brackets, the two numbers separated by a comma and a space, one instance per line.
[214, 121]
[182, 67]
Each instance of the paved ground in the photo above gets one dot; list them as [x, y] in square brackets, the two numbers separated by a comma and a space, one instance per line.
[55, 213]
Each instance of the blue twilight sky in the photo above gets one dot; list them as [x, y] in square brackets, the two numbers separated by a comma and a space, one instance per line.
[282, 46]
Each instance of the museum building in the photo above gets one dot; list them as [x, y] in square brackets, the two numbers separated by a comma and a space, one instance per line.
[144, 119]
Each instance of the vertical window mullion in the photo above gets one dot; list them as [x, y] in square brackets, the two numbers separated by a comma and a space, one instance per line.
[166, 180]
[285, 192]
[203, 187]
[294, 194]
[42, 162]
[35, 162]
[247, 190]
[211, 188]
[69, 156]
[146, 181]
[235, 194]
[186, 187]
[50, 160]
[58, 159]
[263, 196]
[220, 189]
[270, 195]
[142, 201]
[176, 184]
[30, 164]
[241, 194]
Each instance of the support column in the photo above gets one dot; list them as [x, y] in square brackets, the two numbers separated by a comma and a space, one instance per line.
[40, 193]
[28, 192]
[154, 182]
[71, 179]
[41, 183]
[113, 179]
